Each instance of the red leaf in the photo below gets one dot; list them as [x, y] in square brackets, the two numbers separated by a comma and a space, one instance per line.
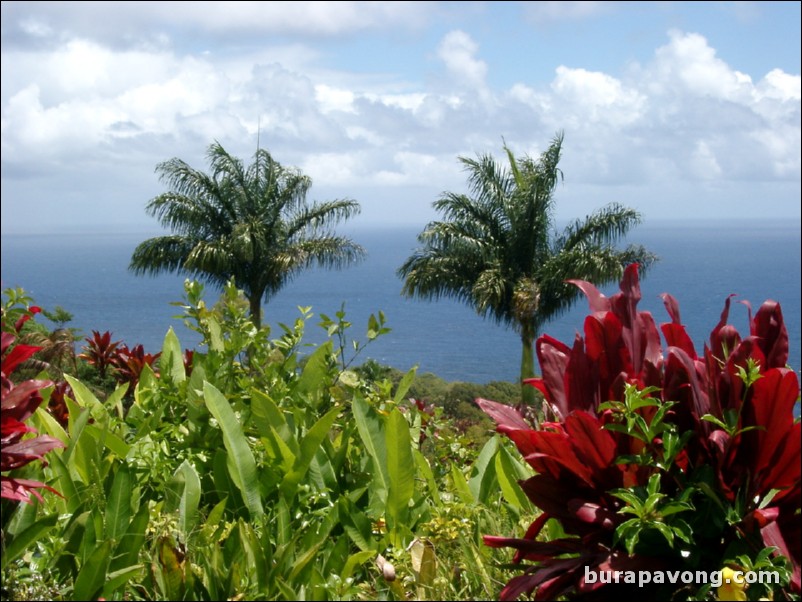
[775, 448]
[769, 327]
[503, 415]
[21, 401]
[16, 356]
[594, 446]
[21, 489]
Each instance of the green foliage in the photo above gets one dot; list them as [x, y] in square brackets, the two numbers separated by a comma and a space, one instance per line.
[261, 469]
[496, 248]
[250, 224]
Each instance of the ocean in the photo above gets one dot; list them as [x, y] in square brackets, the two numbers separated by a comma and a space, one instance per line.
[700, 264]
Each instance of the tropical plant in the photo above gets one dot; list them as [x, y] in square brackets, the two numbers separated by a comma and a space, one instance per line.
[659, 460]
[99, 351]
[249, 224]
[496, 248]
[19, 402]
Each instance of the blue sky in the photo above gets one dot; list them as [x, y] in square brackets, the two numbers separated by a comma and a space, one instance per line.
[683, 110]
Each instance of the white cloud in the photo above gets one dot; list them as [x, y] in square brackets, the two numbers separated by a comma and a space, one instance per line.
[457, 50]
[685, 117]
[596, 97]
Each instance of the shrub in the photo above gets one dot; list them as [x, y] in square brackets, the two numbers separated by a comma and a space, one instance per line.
[659, 459]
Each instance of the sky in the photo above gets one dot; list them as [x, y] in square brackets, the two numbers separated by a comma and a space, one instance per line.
[682, 110]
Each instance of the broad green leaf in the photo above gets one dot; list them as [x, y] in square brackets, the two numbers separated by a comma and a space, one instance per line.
[356, 524]
[371, 431]
[216, 341]
[280, 450]
[21, 542]
[312, 542]
[85, 398]
[92, 575]
[109, 440]
[119, 578]
[115, 400]
[400, 468]
[266, 414]
[127, 551]
[508, 481]
[315, 371]
[22, 517]
[355, 560]
[171, 361]
[321, 473]
[461, 486]
[214, 520]
[242, 465]
[118, 507]
[426, 472]
[404, 384]
[190, 497]
[628, 497]
[483, 473]
[667, 532]
[309, 446]
[43, 421]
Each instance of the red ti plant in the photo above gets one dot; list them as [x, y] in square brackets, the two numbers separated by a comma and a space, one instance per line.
[658, 459]
[129, 363]
[19, 402]
[100, 351]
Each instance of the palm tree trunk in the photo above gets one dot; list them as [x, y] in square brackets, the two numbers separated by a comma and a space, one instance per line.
[528, 336]
[255, 301]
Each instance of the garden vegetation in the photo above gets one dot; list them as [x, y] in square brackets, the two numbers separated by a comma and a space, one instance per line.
[255, 466]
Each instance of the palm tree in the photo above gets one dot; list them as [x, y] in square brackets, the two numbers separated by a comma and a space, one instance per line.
[497, 249]
[252, 225]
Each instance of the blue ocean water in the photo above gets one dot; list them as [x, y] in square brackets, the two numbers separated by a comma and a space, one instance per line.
[700, 265]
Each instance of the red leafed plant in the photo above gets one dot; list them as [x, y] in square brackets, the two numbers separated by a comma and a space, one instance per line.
[129, 363]
[100, 351]
[658, 459]
[19, 402]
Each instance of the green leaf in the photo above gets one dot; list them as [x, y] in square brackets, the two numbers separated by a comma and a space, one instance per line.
[171, 361]
[371, 431]
[241, 463]
[119, 578]
[316, 370]
[682, 530]
[508, 477]
[461, 485]
[483, 473]
[109, 440]
[190, 497]
[44, 422]
[65, 483]
[400, 468]
[629, 497]
[127, 551]
[667, 532]
[92, 575]
[670, 508]
[308, 448]
[425, 470]
[404, 384]
[118, 507]
[357, 525]
[355, 560]
[21, 542]
[85, 398]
